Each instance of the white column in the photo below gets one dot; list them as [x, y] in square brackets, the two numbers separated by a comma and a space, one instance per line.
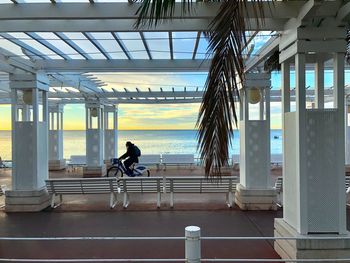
[285, 72]
[29, 143]
[347, 130]
[56, 160]
[110, 132]
[95, 166]
[313, 170]
[255, 190]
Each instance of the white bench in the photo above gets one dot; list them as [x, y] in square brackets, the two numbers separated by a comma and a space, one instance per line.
[150, 159]
[235, 161]
[279, 188]
[140, 185]
[3, 189]
[347, 188]
[77, 160]
[277, 159]
[177, 159]
[82, 186]
[200, 184]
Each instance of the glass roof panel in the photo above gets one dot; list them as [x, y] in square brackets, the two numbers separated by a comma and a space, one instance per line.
[109, 44]
[33, 1]
[72, 1]
[158, 43]
[86, 45]
[112, 1]
[13, 48]
[60, 44]
[260, 39]
[183, 43]
[202, 48]
[35, 45]
[134, 44]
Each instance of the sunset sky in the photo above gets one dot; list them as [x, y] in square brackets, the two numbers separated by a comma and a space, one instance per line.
[176, 116]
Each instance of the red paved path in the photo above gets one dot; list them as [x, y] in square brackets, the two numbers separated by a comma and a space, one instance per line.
[135, 223]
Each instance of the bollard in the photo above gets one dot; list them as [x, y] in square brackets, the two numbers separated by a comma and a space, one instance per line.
[193, 244]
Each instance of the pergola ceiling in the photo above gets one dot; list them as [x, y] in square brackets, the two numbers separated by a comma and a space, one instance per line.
[108, 45]
[72, 40]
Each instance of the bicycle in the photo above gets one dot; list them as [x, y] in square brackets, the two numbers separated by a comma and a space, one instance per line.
[118, 169]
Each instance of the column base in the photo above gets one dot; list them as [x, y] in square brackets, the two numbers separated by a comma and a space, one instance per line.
[57, 165]
[94, 171]
[336, 248]
[26, 201]
[255, 199]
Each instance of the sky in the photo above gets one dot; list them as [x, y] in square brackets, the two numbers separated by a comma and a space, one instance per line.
[175, 116]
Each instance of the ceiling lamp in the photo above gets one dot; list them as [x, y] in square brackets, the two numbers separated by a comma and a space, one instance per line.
[93, 112]
[28, 97]
[254, 95]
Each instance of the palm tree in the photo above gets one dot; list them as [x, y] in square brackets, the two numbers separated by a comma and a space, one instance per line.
[227, 40]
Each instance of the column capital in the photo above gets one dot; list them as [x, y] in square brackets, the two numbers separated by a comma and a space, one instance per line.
[39, 81]
[89, 103]
[257, 80]
[110, 108]
[312, 41]
[56, 107]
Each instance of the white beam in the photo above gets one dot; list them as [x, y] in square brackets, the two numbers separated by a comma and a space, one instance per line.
[130, 94]
[343, 13]
[125, 25]
[266, 50]
[75, 81]
[135, 101]
[43, 11]
[100, 65]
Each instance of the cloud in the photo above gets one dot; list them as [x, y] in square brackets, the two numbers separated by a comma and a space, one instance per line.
[182, 116]
[143, 81]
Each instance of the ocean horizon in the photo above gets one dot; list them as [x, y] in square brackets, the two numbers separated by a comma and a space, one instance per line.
[149, 141]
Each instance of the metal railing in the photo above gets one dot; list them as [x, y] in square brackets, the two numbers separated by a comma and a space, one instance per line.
[192, 240]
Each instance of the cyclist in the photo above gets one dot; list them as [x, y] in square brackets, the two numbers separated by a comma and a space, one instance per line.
[130, 157]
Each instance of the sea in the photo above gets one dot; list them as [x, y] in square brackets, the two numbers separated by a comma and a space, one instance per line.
[149, 141]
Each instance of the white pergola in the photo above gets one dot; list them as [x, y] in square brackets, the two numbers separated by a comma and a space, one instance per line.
[67, 44]
[89, 37]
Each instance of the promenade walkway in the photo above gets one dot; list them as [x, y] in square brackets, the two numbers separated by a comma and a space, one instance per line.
[138, 223]
[90, 216]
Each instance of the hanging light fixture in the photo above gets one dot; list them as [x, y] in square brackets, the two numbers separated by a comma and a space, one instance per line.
[254, 95]
[93, 112]
[28, 96]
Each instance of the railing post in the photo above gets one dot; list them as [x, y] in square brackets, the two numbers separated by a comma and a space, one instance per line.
[193, 244]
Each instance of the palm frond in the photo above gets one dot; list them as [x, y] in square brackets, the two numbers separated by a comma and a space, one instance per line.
[152, 12]
[227, 39]
[217, 115]
[273, 63]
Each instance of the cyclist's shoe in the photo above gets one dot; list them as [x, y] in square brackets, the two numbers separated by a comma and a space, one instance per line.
[130, 174]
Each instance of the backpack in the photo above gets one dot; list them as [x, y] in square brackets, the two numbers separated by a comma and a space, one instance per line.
[137, 151]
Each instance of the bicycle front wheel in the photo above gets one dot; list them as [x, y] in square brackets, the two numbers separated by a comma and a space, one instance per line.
[114, 172]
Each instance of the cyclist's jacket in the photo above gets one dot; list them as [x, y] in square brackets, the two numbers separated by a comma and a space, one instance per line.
[133, 153]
